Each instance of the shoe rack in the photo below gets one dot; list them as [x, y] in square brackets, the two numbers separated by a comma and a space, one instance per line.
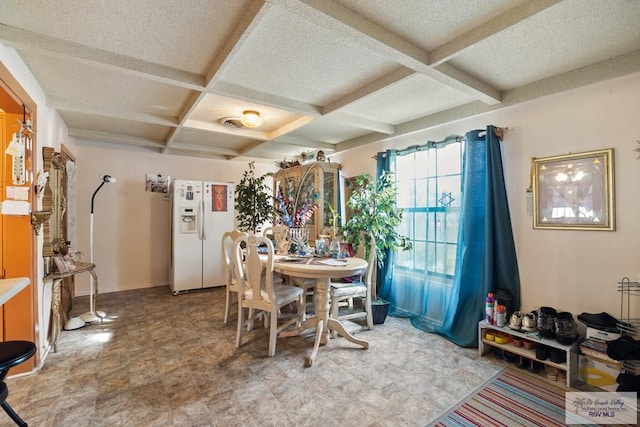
[629, 323]
[570, 367]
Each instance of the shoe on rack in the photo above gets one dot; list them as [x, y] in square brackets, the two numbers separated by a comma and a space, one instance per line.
[565, 328]
[515, 322]
[546, 325]
[530, 322]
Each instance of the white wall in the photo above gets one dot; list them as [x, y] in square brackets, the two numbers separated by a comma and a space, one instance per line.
[570, 270]
[50, 132]
[131, 225]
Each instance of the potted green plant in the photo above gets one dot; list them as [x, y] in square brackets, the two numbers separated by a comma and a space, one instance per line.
[374, 213]
[253, 201]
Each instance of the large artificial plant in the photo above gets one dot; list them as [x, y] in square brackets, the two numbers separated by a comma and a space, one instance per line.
[374, 213]
[253, 200]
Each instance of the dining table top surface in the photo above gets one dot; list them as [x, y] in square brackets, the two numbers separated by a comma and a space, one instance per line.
[317, 267]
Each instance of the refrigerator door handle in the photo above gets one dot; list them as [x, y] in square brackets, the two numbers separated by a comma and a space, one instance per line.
[200, 220]
[203, 213]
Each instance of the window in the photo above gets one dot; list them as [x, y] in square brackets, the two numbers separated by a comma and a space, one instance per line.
[429, 184]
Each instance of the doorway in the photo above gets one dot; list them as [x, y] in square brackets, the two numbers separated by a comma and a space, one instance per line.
[18, 256]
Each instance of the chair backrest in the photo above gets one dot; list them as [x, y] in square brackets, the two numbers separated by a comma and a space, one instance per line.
[252, 266]
[228, 238]
[280, 235]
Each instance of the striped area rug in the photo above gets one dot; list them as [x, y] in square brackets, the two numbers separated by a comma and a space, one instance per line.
[512, 398]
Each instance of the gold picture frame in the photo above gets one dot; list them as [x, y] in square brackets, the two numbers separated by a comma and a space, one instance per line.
[574, 191]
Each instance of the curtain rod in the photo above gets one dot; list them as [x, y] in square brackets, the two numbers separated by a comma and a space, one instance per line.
[499, 132]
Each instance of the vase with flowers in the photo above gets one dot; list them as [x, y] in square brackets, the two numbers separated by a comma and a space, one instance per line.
[294, 207]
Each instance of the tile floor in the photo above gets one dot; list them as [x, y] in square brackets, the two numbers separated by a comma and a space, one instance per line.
[165, 360]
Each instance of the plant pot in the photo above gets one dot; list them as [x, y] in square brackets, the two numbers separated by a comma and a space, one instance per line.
[379, 310]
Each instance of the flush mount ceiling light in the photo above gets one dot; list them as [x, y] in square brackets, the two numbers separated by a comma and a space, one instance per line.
[251, 119]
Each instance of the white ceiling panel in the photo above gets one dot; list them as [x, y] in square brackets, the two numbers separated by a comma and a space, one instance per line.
[328, 130]
[79, 83]
[414, 97]
[568, 36]
[430, 23]
[294, 58]
[120, 127]
[182, 33]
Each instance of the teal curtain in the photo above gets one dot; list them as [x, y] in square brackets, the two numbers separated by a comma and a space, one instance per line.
[385, 162]
[485, 259]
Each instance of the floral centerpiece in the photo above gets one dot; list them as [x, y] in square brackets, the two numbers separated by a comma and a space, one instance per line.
[294, 207]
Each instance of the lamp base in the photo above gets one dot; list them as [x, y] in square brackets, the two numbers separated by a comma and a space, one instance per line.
[74, 323]
[93, 317]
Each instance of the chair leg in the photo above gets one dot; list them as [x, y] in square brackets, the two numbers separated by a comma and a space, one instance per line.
[250, 321]
[227, 307]
[334, 313]
[273, 334]
[302, 310]
[369, 311]
[240, 326]
[16, 419]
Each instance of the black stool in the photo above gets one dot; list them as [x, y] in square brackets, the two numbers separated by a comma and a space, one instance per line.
[12, 353]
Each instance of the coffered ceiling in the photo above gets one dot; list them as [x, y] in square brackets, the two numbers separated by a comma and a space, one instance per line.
[325, 75]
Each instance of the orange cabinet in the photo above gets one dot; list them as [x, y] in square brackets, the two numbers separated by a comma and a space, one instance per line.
[16, 252]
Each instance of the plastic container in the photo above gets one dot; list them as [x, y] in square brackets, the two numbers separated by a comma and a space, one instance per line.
[489, 309]
[502, 338]
[501, 315]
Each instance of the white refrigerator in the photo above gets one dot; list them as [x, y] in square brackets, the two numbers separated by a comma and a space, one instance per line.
[200, 213]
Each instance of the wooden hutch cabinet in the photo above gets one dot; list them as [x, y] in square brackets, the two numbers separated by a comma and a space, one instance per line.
[321, 177]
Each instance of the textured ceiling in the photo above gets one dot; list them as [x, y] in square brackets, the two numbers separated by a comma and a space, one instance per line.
[325, 75]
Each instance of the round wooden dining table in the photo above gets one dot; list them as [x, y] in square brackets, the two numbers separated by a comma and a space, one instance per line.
[322, 270]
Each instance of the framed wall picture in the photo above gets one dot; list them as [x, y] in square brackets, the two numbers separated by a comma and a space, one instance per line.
[61, 267]
[574, 191]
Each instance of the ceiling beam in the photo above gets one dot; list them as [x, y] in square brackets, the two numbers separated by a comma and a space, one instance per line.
[116, 138]
[343, 21]
[364, 123]
[81, 54]
[383, 83]
[487, 29]
[232, 90]
[291, 140]
[112, 112]
[252, 15]
[201, 148]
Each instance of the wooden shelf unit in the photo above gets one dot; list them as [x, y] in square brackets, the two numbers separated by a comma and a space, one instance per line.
[570, 366]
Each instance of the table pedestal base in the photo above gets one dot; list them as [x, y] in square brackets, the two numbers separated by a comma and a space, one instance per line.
[323, 323]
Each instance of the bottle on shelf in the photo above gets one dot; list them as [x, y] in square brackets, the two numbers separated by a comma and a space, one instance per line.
[489, 309]
[500, 314]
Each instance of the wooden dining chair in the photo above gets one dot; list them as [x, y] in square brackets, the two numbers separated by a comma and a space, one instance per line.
[341, 292]
[258, 293]
[228, 238]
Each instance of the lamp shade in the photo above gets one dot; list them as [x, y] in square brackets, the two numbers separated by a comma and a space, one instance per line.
[251, 119]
